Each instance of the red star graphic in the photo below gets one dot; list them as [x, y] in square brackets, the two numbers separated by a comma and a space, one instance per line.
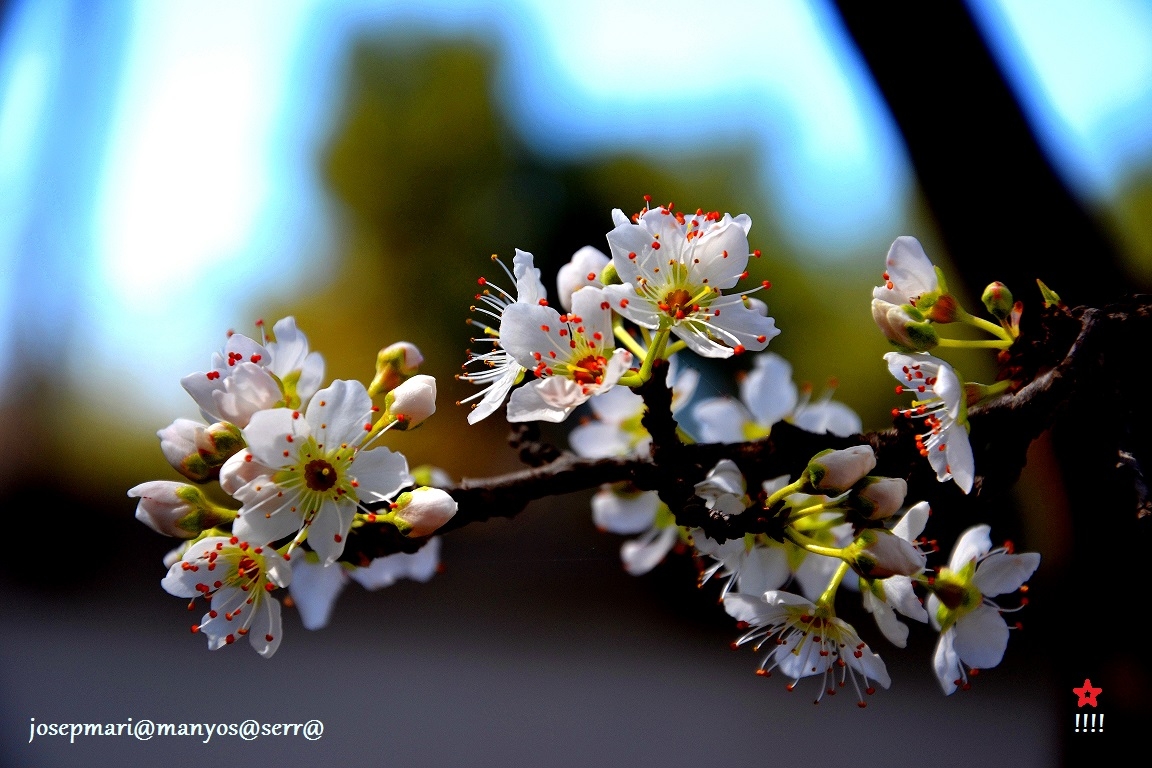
[1087, 694]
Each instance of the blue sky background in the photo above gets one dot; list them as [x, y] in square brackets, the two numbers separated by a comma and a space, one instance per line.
[163, 155]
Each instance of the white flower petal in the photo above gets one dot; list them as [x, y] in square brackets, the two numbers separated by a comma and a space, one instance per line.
[645, 553]
[329, 529]
[265, 631]
[386, 571]
[909, 271]
[720, 420]
[495, 394]
[340, 413]
[763, 568]
[892, 628]
[768, 390]
[574, 275]
[529, 289]
[1001, 573]
[600, 440]
[624, 513]
[828, 417]
[381, 473]
[548, 399]
[972, 544]
[624, 300]
[314, 590]
[946, 663]
[723, 252]
[911, 524]
[981, 637]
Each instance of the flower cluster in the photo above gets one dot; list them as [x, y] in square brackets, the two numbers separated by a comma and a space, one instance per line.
[305, 468]
[305, 472]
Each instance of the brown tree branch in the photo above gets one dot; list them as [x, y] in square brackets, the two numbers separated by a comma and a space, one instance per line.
[1062, 356]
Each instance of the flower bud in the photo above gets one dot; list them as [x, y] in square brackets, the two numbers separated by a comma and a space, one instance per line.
[421, 512]
[997, 300]
[879, 554]
[178, 443]
[394, 364]
[834, 472]
[177, 509]
[878, 498]
[411, 402]
[196, 451]
[904, 326]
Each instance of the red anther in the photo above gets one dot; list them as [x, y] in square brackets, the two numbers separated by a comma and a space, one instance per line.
[338, 538]
[482, 281]
[648, 199]
[766, 284]
[255, 358]
[542, 302]
[738, 349]
[1009, 547]
[1023, 587]
[862, 704]
[563, 331]
[974, 672]
[233, 540]
[591, 275]
[213, 375]
[195, 628]
[598, 336]
[716, 313]
[632, 255]
[269, 638]
[724, 254]
[761, 339]
[545, 328]
[756, 253]
[655, 245]
[895, 412]
[230, 639]
[744, 275]
[623, 303]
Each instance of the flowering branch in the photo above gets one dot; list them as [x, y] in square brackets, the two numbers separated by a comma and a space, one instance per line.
[1063, 351]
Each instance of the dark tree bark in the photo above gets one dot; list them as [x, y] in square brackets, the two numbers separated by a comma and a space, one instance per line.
[1003, 212]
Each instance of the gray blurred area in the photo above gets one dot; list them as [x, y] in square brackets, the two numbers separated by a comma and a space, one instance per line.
[532, 648]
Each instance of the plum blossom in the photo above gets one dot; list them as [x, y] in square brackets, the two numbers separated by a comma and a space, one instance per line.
[315, 587]
[238, 577]
[499, 370]
[754, 564]
[573, 355]
[972, 631]
[884, 598]
[247, 376]
[674, 270]
[806, 639]
[768, 396]
[940, 401]
[310, 472]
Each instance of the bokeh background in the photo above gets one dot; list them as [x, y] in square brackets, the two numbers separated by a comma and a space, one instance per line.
[172, 170]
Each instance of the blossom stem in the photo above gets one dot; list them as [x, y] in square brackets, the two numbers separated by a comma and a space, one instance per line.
[975, 343]
[812, 510]
[626, 339]
[978, 322]
[675, 347]
[795, 487]
[810, 545]
[655, 352]
[829, 594]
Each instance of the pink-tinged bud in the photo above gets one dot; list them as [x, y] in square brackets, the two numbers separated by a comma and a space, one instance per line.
[998, 300]
[394, 364]
[423, 511]
[834, 472]
[197, 451]
[411, 402]
[879, 554]
[878, 498]
[177, 509]
[904, 326]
